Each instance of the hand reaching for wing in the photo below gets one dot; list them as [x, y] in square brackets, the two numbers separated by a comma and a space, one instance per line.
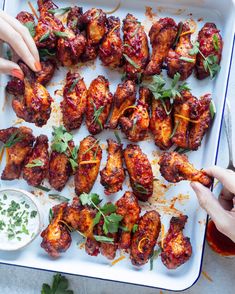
[222, 211]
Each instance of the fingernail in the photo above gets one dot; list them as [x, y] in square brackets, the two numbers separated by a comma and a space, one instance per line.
[38, 66]
[18, 74]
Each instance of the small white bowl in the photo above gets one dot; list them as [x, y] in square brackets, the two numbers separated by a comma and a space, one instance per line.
[12, 193]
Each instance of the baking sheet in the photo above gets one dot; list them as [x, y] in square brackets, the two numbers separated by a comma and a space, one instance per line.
[75, 260]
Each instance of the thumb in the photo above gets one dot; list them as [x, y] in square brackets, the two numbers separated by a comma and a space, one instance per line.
[212, 206]
[10, 68]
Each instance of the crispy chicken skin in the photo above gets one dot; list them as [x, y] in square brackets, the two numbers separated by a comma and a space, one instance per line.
[161, 124]
[210, 43]
[113, 175]
[124, 97]
[95, 24]
[162, 36]
[92, 247]
[25, 17]
[74, 19]
[99, 101]
[89, 158]
[45, 75]
[128, 207]
[110, 50]
[145, 238]
[74, 103]
[56, 237]
[175, 62]
[15, 87]
[17, 153]
[177, 248]
[136, 124]
[175, 167]
[36, 174]
[136, 47]
[140, 172]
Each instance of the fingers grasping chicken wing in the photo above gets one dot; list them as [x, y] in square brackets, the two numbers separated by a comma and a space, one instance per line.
[175, 167]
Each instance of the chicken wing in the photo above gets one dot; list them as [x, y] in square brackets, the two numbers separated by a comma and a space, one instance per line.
[136, 51]
[179, 60]
[89, 158]
[162, 36]
[204, 119]
[15, 87]
[18, 143]
[99, 101]
[110, 50]
[128, 207]
[113, 175]
[48, 69]
[74, 103]
[145, 238]
[161, 124]
[56, 237]
[25, 17]
[210, 44]
[74, 19]
[124, 97]
[175, 167]
[36, 165]
[95, 23]
[136, 124]
[140, 172]
[177, 248]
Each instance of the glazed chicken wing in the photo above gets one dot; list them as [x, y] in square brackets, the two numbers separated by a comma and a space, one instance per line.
[56, 237]
[89, 158]
[161, 124]
[113, 175]
[162, 36]
[175, 167]
[136, 124]
[95, 23]
[124, 97]
[140, 172]
[128, 207]
[177, 248]
[136, 51]
[25, 17]
[99, 101]
[45, 75]
[36, 165]
[110, 51]
[210, 44]
[74, 103]
[179, 60]
[18, 143]
[145, 238]
[74, 19]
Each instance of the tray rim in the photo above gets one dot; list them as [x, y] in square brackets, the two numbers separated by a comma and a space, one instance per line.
[229, 65]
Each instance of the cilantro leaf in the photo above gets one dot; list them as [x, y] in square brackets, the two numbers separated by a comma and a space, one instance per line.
[90, 199]
[195, 49]
[215, 41]
[210, 64]
[59, 286]
[108, 208]
[135, 228]
[104, 239]
[59, 10]
[58, 197]
[30, 25]
[45, 52]
[128, 59]
[34, 163]
[60, 34]
[13, 139]
[44, 36]
[187, 59]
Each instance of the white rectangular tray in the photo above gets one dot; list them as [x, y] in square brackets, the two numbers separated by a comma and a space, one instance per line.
[75, 260]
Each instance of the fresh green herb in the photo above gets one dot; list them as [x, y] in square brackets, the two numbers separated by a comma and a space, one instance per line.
[168, 112]
[125, 229]
[96, 115]
[59, 10]
[90, 199]
[45, 53]
[111, 223]
[60, 34]
[91, 147]
[104, 239]
[35, 162]
[190, 60]
[181, 150]
[117, 137]
[131, 61]
[135, 228]
[2, 225]
[43, 188]
[59, 286]
[212, 109]
[174, 130]
[195, 49]
[30, 25]
[180, 27]
[44, 37]
[215, 41]
[154, 256]
[13, 139]
[139, 188]
[108, 208]
[73, 85]
[4, 197]
[58, 197]
[51, 215]
[33, 213]
[24, 230]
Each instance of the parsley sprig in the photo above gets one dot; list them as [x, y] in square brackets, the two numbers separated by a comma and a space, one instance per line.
[59, 286]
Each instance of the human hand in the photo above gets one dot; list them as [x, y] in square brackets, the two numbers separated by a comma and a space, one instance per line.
[19, 38]
[221, 211]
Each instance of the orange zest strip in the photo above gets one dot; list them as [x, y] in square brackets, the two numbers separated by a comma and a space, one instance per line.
[163, 235]
[205, 274]
[114, 10]
[88, 161]
[140, 242]
[33, 9]
[187, 32]
[116, 27]
[118, 259]
[1, 154]
[186, 118]
[129, 107]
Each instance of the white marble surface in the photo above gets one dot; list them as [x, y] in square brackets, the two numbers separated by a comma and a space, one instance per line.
[16, 280]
